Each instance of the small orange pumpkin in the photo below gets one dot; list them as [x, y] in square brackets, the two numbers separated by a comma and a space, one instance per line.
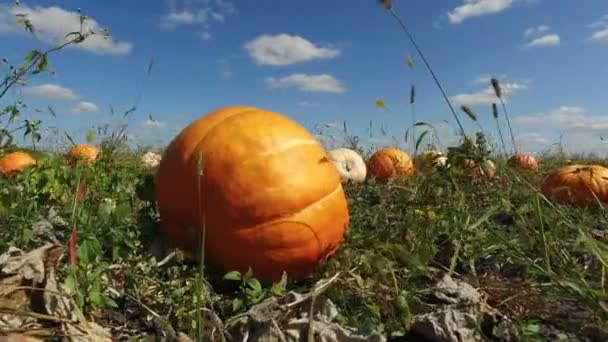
[486, 169]
[85, 152]
[524, 161]
[577, 184]
[271, 198]
[15, 162]
[390, 162]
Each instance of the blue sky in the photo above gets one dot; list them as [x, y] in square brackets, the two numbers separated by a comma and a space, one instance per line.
[321, 61]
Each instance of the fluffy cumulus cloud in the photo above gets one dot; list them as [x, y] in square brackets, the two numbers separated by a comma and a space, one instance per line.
[52, 91]
[476, 8]
[581, 132]
[486, 95]
[284, 49]
[85, 107]
[600, 30]
[51, 24]
[541, 36]
[309, 83]
[201, 14]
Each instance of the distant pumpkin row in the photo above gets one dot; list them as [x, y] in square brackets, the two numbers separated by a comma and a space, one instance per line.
[17, 161]
[571, 184]
[390, 162]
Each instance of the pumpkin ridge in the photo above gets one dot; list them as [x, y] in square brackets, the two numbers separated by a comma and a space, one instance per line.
[282, 218]
[197, 147]
[299, 143]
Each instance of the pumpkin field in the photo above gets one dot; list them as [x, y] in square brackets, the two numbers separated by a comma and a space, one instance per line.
[248, 226]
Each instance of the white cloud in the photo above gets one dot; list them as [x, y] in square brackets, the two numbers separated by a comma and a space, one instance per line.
[153, 124]
[52, 91]
[477, 8]
[201, 13]
[568, 117]
[310, 83]
[284, 49]
[541, 36]
[546, 40]
[486, 96]
[600, 30]
[51, 24]
[580, 131]
[85, 107]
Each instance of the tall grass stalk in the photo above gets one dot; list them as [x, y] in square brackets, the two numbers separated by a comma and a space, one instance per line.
[495, 115]
[413, 109]
[498, 92]
[203, 233]
[388, 6]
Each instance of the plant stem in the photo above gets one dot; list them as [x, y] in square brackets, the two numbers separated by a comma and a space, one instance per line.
[407, 32]
[504, 108]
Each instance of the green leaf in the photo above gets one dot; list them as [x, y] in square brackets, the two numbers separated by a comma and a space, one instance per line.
[237, 304]
[90, 135]
[419, 140]
[280, 288]
[122, 211]
[31, 55]
[95, 298]
[233, 275]
[254, 284]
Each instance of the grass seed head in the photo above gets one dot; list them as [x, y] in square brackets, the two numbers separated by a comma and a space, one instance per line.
[496, 87]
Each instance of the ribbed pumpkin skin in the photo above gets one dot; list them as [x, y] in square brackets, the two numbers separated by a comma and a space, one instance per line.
[388, 163]
[273, 201]
[86, 152]
[573, 184]
[524, 161]
[15, 162]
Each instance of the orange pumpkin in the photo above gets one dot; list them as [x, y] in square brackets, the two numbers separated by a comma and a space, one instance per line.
[487, 169]
[524, 161]
[15, 162]
[86, 152]
[577, 184]
[389, 163]
[272, 199]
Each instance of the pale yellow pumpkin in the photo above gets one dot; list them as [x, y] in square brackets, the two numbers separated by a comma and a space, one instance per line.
[429, 161]
[350, 165]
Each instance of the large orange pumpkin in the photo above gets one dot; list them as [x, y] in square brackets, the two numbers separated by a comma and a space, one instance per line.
[15, 162]
[577, 184]
[272, 199]
[524, 161]
[85, 152]
[390, 162]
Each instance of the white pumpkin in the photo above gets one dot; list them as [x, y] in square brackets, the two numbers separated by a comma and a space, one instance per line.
[430, 160]
[350, 165]
[151, 159]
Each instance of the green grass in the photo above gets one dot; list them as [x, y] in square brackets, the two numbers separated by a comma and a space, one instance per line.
[530, 258]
